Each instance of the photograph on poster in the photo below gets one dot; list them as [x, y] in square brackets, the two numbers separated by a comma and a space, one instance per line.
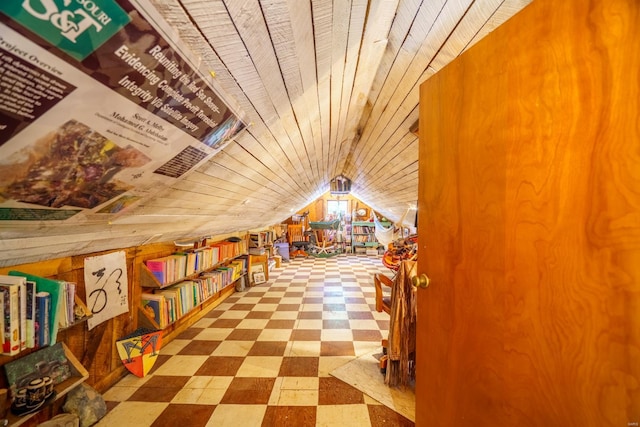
[52, 168]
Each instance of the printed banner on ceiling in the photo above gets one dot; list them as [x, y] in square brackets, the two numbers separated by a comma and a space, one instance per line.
[98, 110]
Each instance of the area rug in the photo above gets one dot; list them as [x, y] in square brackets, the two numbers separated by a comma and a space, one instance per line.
[364, 374]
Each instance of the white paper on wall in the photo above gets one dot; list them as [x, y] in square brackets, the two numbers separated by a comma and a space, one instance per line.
[107, 286]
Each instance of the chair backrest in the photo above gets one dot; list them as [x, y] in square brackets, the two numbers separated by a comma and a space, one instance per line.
[383, 303]
[294, 231]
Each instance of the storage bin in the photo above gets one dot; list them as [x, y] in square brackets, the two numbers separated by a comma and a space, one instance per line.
[283, 250]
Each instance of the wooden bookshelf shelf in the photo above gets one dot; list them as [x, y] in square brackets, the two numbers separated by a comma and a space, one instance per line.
[199, 295]
[363, 234]
[78, 375]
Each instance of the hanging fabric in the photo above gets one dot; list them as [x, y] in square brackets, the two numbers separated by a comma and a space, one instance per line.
[386, 235]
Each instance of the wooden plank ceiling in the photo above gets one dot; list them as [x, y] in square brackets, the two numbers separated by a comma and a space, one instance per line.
[326, 88]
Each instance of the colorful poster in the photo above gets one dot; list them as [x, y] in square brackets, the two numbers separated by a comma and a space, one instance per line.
[99, 109]
[107, 286]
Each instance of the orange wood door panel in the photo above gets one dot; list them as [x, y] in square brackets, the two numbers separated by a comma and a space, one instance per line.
[529, 224]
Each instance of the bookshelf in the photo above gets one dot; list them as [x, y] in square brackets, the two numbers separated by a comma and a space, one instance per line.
[261, 246]
[190, 283]
[363, 235]
[78, 375]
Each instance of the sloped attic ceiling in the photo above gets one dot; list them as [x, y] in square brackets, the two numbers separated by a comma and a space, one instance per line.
[325, 88]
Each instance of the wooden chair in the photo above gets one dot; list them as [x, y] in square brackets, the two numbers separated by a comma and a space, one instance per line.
[298, 241]
[383, 299]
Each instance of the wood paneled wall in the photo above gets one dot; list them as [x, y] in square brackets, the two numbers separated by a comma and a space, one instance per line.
[529, 223]
[96, 349]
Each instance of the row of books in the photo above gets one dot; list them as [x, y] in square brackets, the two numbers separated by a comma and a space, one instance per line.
[364, 238]
[33, 308]
[169, 304]
[359, 229]
[180, 265]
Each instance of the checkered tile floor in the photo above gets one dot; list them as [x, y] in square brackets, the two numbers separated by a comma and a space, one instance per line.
[263, 356]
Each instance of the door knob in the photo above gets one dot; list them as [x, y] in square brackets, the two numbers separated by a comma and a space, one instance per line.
[421, 281]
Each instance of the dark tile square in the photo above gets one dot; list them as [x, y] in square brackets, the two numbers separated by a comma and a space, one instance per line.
[154, 394]
[366, 335]
[184, 414]
[222, 366]
[288, 307]
[290, 416]
[225, 323]
[305, 335]
[383, 324]
[159, 388]
[334, 307]
[189, 334]
[214, 314]
[249, 391]
[299, 367]
[332, 391]
[110, 405]
[291, 294]
[381, 416]
[259, 315]
[244, 335]
[310, 315]
[355, 300]
[333, 294]
[337, 348]
[168, 381]
[312, 300]
[280, 324]
[242, 307]
[268, 348]
[335, 324]
[199, 347]
[360, 315]
[269, 300]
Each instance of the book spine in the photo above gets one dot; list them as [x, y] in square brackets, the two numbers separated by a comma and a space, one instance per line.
[2, 321]
[22, 301]
[31, 314]
[43, 309]
[11, 309]
[71, 302]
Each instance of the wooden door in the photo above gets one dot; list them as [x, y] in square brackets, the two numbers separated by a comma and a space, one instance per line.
[529, 224]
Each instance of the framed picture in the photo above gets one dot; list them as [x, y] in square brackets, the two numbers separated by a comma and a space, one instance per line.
[258, 277]
[259, 269]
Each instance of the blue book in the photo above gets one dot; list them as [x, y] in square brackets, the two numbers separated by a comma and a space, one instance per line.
[43, 310]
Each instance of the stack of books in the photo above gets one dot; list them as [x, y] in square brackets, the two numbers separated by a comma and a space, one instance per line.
[33, 309]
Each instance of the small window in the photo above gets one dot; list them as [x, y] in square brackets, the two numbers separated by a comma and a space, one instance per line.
[337, 209]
